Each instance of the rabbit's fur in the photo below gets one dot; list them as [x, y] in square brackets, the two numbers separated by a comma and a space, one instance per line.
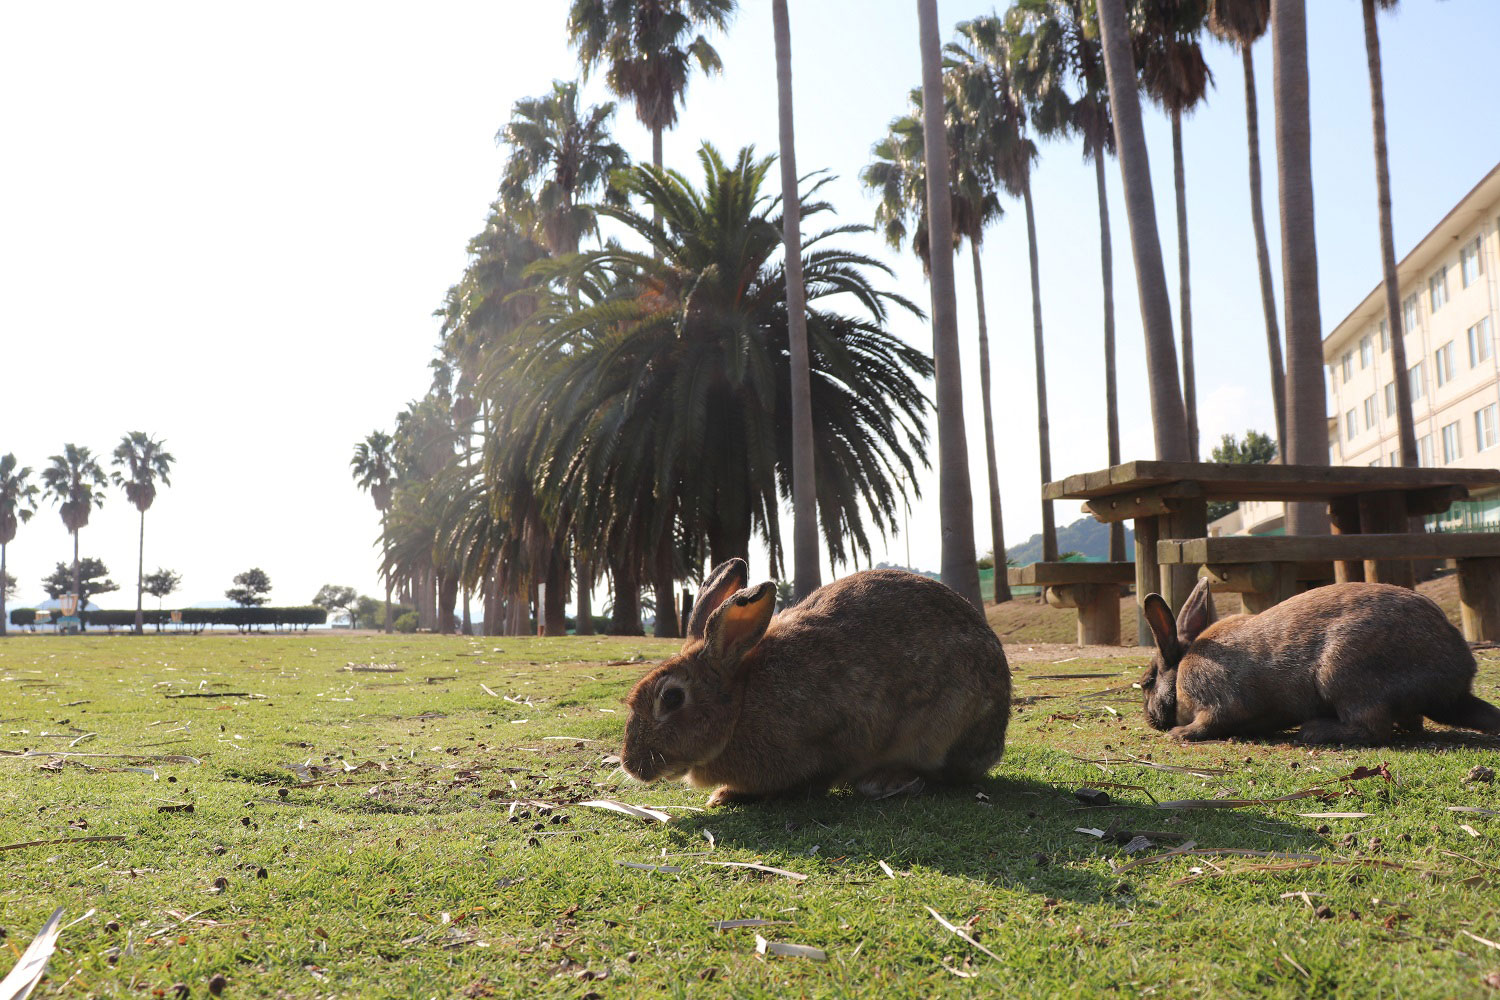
[1349, 663]
[882, 679]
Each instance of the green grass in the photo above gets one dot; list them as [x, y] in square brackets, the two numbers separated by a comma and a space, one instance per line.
[411, 875]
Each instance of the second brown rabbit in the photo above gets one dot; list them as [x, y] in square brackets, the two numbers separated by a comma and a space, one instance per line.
[1349, 663]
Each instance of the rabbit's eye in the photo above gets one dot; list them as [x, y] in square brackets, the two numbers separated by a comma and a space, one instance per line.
[671, 699]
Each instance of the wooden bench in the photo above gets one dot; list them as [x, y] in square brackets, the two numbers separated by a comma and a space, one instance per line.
[1091, 587]
[1266, 569]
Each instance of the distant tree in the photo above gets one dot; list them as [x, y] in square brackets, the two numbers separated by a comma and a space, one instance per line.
[76, 484]
[331, 597]
[160, 584]
[141, 462]
[250, 588]
[17, 504]
[365, 613]
[90, 574]
[1256, 449]
[7, 586]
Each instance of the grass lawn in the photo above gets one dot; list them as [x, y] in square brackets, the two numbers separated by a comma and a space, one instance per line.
[377, 833]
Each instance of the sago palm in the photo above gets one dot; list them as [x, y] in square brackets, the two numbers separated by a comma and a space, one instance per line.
[140, 463]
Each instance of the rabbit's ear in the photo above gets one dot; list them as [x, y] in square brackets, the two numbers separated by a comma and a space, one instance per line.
[1197, 613]
[727, 577]
[738, 624]
[1163, 629]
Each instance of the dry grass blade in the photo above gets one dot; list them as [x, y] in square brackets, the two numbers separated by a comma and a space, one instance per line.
[1068, 677]
[1335, 815]
[1475, 810]
[753, 866]
[638, 812]
[887, 869]
[729, 925]
[33, 963]
[1483, 941]
[209, 694]
[1193, 851]
[485, 688]
[158, 758]
[764, 947]
[1197, 772]
[665, 869]
[65, 840]
[960, 932]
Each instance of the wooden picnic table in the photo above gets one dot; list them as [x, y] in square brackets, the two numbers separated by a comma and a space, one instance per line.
[1168, 500]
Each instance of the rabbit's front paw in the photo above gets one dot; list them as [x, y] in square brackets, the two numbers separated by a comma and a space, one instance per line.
[724, 796]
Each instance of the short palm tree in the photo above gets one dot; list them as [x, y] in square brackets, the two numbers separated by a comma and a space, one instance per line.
[75, 482]
[140, 463]
[17, 504]
[646, 49]
[373, 470]
[1241, 23]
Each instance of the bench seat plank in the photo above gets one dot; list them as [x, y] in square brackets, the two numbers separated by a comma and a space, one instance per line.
[1057, 574]
[1308, 548]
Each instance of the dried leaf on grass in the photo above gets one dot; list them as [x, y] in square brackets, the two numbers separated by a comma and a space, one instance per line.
[764, 947]
[752, 866]
[625, 809]
[1476, 937]
[158, 758]
[1475, 810]
[960, 932]
[33, 964]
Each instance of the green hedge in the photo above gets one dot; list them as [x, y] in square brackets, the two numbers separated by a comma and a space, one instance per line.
[196, 618]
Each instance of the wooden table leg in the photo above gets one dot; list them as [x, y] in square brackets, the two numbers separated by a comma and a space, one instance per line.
[1098, 607]
[1189, 520]
[1343, 518]
[1147, 572]
[1385, 513]
[1479, 598]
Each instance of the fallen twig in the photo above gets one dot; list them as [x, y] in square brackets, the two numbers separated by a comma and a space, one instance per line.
[961, 933]
[753, 866]
[64, 840]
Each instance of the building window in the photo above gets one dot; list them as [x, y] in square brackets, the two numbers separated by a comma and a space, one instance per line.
[1486, 433]
[1424, 451]
[1370, 411]
[1366, 353]
[1346, 365]
[1443, 362]
[1395, 459]
[1479, 342]
[1385, 334]
[1471, 260]
[1451, 452]
[1351, 424]
[1416, 381]
[1390, 398]
[1409, 314]
[1437, 288]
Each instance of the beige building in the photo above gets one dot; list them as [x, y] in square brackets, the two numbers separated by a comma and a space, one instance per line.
[1450, 309]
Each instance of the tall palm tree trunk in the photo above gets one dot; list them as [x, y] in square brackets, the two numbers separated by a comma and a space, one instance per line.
[383, 540]
[3, 621]
[955, 501]
[1307, 407]
[77, 575]
[1405, 426]
[555, 606]
[997, 526]
[1111, 392]
[666, 591]
[1043, 424]
[625, 618]
[1263, 254]
[585, 607]
[1189, 379]
[1168, 417]
[467, 627]
[806, 575]
[140, 581]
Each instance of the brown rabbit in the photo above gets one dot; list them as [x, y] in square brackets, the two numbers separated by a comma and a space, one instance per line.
[1348, 663]
[882, 679]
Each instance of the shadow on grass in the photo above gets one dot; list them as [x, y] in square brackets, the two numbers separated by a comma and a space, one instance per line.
[1011, 832]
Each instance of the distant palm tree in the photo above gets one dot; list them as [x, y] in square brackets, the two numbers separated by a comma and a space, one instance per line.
[960, 569]
[374, 470]
[647, 48]
[1241, 23]
[76, 484]
[143, 462]
[17, 504]
[1175, 75]
[806, 574]
[1307, 404]
[1168, 417]
[1405, 427]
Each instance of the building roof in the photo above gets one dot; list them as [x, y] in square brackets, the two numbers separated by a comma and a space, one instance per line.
[1413, 267]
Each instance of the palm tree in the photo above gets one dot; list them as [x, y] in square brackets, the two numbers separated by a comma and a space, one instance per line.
[17, 504]
[647, 48]
[1241, 23]
[373, 470]
[1175, 75]
[1406, 429]
[1052, 50]
[806, 576]
[144, 462]
[1307, 405]
[955, 501]
[76, 484]
[1167, 414]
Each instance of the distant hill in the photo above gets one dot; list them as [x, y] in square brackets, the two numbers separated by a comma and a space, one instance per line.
[1085, 536]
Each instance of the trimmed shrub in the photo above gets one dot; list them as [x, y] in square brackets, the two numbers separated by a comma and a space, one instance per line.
[197, 618]
[406, 623]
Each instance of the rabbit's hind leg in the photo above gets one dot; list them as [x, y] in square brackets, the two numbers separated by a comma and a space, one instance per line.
[1364, 725]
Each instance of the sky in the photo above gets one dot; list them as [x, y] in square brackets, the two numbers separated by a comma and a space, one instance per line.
[228, 226]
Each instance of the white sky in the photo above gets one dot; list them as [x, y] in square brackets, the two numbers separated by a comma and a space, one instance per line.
[228, 225]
